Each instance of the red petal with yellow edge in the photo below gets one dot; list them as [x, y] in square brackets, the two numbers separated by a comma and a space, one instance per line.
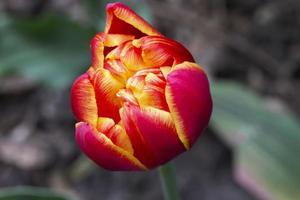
[102, 40]
[83, 100]
[161, 51]
[106, 87]
[189, 100]
[152, 134]
[101, 150]
[97, 46]
[121, 19]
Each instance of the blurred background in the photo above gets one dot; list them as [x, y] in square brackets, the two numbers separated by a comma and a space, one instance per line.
[251, 149]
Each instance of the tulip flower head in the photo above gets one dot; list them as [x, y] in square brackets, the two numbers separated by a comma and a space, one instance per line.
[143, 101]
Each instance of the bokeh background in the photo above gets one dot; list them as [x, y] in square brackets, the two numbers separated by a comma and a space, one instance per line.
[251, 50]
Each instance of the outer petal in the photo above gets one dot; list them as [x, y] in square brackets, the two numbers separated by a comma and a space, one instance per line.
[189, 100]
[100, 149]
[161, 51]
[152, 134]
[121, 19]
[97, 46]
[83, 100]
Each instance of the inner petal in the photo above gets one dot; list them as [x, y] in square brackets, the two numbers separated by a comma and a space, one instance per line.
[115, 133]
[117, 69]
[131, 56]
[127, 96]
[148, 88]
[106, 87]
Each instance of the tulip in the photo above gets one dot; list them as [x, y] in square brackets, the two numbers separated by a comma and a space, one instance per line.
[143, 100]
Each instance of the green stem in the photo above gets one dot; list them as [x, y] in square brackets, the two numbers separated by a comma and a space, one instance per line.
[168, 181]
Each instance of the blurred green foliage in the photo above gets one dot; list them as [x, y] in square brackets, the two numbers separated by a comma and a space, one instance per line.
[51, 48]
[266, 143]
[32, 193]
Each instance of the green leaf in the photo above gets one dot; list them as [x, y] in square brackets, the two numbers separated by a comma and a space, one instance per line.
[266, 143]
[50, 48]
[32, 193]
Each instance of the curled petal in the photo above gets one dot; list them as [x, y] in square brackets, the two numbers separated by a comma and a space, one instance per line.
[189, 100]
[152, 134]
[160, 51]
[103, 151]
[120, 19]
[102, 40]
[83, 100]
[115, 54]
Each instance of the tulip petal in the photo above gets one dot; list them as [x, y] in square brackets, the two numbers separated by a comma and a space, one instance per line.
[121, 19]
[165, 71]
[97, 46]
[83, 100]
[189, 100]
[105, 124]
[101, 150]
[115, 53]
[115, 133]
[131, 56]
[136, 84]
[106, 87]
[160, 51]
[153, 93]
[102, 40]
[120, 138]
[117, 68]
[113, 40]
[152, 134]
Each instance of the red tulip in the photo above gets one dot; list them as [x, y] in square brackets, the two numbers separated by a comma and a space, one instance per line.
[143, 101]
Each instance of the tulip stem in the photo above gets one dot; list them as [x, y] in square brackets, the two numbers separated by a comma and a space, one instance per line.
[168, 181]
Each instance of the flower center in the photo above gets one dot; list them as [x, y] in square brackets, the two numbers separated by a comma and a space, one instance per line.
[145, 88]
[136, 82]
[127, 96]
